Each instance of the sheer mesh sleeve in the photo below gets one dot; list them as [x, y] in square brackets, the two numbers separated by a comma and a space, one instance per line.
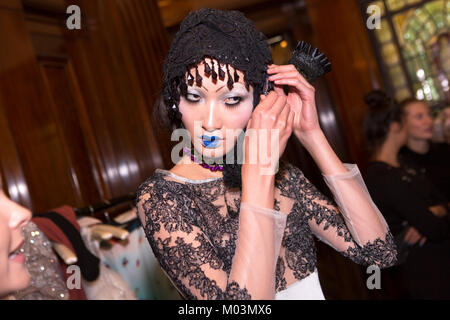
[190, 260]
[352, 224]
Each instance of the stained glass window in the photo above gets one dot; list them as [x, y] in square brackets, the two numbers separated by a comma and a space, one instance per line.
[413, 47]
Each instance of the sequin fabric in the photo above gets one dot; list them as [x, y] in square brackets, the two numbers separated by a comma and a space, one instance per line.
[47, 282]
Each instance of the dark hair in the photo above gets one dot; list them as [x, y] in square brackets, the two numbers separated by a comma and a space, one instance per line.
[406, 102]
[381, 112]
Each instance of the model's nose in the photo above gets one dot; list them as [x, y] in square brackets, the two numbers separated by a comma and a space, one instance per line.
[212, 120]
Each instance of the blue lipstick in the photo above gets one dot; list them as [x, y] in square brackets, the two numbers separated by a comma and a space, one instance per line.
[210, 141]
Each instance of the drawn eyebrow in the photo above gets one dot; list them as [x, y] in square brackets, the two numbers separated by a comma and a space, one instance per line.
[217, 89]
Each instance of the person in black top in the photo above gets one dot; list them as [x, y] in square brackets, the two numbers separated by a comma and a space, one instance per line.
[420, 150]
[413, 207]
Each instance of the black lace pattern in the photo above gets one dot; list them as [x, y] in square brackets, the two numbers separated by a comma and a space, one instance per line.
[192, 229]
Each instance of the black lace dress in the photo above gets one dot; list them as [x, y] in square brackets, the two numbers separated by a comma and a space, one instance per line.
[192, 227]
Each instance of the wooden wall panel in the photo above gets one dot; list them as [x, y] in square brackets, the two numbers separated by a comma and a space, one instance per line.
[340, 32]
[20, 96]
[84, 182]
[75, 106]
[10, 4]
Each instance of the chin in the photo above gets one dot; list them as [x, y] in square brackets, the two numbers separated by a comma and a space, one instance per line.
[21, 279]
[213, 152]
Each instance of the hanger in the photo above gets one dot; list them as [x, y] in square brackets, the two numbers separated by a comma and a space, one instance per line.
[104, 205]
[111, 228]
[128, 216]
[67, 255]
[106, 232]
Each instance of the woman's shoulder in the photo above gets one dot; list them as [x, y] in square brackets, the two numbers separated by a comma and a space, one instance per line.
[379, 172]
[440, 148]
[289, 177]
[379, 167]
[158, 185]
[148, 185]
[160, 199]
[288, 171]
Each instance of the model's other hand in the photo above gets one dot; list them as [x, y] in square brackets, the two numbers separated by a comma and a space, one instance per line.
[301, 98]
[273, 112]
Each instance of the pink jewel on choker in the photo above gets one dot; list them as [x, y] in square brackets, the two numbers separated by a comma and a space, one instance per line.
[216, 167]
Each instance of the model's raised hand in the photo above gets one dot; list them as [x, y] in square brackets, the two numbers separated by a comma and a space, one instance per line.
[272, 115]
[301, 98]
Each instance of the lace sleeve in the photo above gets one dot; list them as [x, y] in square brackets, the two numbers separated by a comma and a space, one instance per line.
[352, 224]
[190, 260]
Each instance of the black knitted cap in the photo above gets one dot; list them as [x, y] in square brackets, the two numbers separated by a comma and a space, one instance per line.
[226, 36]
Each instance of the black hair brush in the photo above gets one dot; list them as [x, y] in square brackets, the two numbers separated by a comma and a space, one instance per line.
[309, 61]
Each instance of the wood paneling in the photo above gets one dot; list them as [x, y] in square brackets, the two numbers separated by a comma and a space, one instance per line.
[340, 33]
[10, 5]
[75, 106]
[20, 94]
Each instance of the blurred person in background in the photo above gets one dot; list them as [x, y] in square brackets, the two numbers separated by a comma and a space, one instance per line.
[420, 150]
[413, 207]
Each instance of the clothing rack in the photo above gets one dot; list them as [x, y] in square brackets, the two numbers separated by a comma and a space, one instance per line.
[105, 205]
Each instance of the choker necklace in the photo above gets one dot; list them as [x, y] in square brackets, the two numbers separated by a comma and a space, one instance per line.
[216, 167]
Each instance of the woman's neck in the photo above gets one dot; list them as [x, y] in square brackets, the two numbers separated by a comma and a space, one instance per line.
[388, 153]
[418, 145]
[189, 169]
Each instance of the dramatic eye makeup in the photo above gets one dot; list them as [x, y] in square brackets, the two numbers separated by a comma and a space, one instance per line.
[231, 99]
[192, 97]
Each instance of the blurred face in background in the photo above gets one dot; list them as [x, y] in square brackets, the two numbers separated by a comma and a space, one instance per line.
[212, 109]
[13, 272]
[418, 121]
